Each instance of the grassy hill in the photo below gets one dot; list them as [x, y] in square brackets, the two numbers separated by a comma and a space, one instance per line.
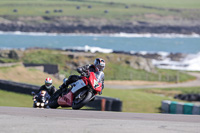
[19, 73]
[116, 66]
[101, 12]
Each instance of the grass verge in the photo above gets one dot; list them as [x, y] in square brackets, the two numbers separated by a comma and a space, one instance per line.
[15, 99]
[147, 100]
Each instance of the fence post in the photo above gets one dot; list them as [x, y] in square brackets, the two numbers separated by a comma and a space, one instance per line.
[177, 77]
[131, 76]
[147, 76]
[167, 77]
[159, 77]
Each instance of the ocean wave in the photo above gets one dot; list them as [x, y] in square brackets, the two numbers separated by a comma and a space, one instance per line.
[87, 48]
[190, 63]
[125, 35]
[149, 35]
[28, 33]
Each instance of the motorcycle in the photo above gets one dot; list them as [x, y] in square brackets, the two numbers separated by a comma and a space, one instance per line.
[78, 93]
[41, 99]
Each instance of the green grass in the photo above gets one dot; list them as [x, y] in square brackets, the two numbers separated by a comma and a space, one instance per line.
[116, 8]
[146, 100]
[45, 57]
[122, 72]
[114, 70]
[15, 99]
[7, 60]
[156, 3]
[137, 100]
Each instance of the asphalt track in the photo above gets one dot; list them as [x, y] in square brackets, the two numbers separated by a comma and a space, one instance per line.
[31, 120]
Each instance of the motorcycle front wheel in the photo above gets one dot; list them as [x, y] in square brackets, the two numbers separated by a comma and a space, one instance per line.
[82, 100]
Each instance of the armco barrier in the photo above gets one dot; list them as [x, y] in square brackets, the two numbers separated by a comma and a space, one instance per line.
[173, 107]
[111, 104]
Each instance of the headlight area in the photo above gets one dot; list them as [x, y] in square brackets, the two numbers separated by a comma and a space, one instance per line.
[38, 104]
[42, 104]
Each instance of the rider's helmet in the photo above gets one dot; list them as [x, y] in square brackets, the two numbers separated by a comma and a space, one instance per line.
[48, 83]
[99, 64]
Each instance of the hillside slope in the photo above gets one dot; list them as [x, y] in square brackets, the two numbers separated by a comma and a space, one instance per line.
[30, 76]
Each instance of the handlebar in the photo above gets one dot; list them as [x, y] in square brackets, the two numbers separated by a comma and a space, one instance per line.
[85, 74]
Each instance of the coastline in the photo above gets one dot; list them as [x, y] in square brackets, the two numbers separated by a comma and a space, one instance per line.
[161, 59]
[120, 34]
[104, 29]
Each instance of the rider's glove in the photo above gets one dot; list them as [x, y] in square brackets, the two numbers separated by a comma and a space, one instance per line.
[85, 74]
[100, 92]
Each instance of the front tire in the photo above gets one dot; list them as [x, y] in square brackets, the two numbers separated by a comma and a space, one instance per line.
[83, 102]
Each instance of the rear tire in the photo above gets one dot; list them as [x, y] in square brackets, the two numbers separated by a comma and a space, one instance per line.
[53, 104]
[83, 102]
[53, 100]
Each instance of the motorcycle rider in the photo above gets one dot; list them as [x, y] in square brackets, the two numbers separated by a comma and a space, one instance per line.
[48, 87]
[97, 68]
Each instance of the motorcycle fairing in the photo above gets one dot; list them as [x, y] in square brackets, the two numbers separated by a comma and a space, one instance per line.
[94, 83]
[66, 100]
[77, 85]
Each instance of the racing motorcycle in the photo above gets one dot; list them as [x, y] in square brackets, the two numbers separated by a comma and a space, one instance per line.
[78, 93]
[41, 99]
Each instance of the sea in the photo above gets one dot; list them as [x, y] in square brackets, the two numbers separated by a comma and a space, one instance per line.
[162, 44]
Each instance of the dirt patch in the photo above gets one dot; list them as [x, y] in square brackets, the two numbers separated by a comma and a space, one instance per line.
[168, 93]
[134, 82]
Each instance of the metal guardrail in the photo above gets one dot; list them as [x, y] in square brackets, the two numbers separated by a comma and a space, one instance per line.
[100, 102]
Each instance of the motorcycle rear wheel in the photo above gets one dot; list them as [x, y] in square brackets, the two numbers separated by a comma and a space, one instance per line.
[83, 102]
[53, 100]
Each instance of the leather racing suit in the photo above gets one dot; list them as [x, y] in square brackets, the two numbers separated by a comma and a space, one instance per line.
[50, 91]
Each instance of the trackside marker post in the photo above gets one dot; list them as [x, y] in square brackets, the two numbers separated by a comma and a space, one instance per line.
[103, 104]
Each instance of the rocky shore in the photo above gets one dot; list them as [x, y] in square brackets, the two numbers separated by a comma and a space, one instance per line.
[62, 28]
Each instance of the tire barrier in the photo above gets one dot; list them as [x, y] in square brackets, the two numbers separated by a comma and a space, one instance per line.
[106, 104]
[173, 107]
[110, 104]
[17, 87]
[188, 97]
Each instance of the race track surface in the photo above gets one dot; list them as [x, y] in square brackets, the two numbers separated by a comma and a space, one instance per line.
[31, 120]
